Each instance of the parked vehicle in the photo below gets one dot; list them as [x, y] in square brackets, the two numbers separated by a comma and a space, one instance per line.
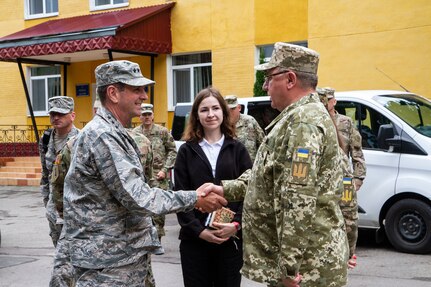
[395, 198]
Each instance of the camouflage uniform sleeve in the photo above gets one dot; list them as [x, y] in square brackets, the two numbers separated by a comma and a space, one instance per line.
[259, 133]
[122, 174]
[59, 171]
[234, 190]
[171, 151]
[149, 164]
[44, 180]
[295, 178]
[358, 160]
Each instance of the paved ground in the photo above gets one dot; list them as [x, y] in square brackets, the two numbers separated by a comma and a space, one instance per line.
[26, 251]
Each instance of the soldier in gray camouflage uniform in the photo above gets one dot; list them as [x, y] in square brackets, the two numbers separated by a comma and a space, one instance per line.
[351, 144]
[164, 155]
[107, 204]
[293, 224]
[248, 131]
[61, 116]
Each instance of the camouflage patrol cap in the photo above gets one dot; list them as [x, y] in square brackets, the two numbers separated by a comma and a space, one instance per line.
[60, 104]
[125, 72]
[146, 108]
[231, 101]
[325, 94]
[293, 57]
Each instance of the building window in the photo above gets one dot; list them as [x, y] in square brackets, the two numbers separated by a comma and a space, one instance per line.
[267, 49]
[107, 4]
[190, 74]
[40, 8]
[45, 83]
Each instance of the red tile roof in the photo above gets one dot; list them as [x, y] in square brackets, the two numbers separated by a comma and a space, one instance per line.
[145, 29]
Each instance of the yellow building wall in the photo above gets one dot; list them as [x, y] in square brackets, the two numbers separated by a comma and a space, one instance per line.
[373, 44]
[229, 29]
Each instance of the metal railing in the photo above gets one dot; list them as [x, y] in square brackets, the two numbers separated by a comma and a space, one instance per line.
[19, 140]
[20, 133]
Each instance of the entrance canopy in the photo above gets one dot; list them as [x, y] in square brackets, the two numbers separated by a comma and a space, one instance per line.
[139, 31]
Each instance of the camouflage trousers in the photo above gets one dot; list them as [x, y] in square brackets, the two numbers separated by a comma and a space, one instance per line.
[349, 208]
[54, 231]
[64, 274]
[132, 275]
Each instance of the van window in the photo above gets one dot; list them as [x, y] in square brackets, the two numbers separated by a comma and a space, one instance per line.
[413, 110]
[181, 116]
[368, 122]
[262, 112]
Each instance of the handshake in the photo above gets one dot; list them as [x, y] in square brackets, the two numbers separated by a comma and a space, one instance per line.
[210, 197]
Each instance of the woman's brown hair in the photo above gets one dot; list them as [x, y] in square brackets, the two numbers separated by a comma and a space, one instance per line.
[194, 130]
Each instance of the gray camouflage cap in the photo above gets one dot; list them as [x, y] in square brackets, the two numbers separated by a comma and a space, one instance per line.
[125, 72]
[60, 104]
[293, 57]
[146, 108]
[231, 101]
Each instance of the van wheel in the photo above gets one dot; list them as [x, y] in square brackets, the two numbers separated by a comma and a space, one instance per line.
[408, 226]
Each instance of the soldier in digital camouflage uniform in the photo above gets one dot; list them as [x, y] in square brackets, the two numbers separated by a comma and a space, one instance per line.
[61, 115]
[351, 144]
[164, 154]
[293, 224]
[108, 231]
[248, 131]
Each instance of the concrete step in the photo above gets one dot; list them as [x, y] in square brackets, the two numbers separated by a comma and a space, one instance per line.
[19, 175]
[20, 171]
[20, 181]
[22, 164]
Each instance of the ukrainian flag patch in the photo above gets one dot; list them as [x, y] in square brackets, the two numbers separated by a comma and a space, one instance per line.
[302, 152]
[347, 180]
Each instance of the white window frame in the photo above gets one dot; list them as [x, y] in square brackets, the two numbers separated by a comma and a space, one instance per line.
[94, 7]
[30, 88]
[271, 46]
[170, 77]
[29, 16]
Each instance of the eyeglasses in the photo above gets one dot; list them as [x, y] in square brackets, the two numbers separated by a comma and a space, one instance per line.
[269, 77]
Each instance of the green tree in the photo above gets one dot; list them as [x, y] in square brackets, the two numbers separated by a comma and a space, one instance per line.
[260, 78]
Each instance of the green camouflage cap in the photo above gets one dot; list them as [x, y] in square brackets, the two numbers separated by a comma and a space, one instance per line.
[325, 94]
[146, 108]
[125, 72]
[60, 104]
[293, 57]
[231, 101]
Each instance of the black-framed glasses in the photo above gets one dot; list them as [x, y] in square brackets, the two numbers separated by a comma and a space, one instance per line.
[268, 78]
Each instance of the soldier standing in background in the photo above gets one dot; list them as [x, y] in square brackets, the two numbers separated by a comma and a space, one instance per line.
[164, 155]
[248, 131]
[292, 222]
[61, 116]
[351, 143]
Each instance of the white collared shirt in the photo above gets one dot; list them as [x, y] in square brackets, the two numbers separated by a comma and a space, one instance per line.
[212, 151]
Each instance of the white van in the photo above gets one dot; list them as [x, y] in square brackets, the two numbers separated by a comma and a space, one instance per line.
[395, 198]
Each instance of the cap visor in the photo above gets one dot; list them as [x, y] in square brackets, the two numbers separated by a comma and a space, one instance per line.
[138, 82]
[58, 110]
[264, 67]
